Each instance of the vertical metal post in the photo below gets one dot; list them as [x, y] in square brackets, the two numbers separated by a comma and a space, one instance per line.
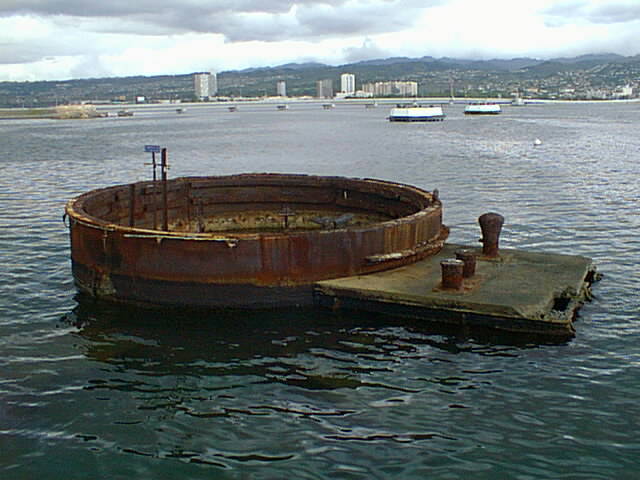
[187, 200]
[155, 194]
[165, 206]
[285, 214]
[132, 204]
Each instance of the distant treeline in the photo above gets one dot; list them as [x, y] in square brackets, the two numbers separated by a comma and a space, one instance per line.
[435, 77]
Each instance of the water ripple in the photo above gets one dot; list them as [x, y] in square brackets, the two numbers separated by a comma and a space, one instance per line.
[89, 388]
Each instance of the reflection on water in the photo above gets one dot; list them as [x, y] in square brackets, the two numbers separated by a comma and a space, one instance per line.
[220, 341]
[271, 373]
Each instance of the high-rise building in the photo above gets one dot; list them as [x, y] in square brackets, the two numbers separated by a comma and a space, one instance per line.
[386, 89]
[214, 84]
[348, 83]
[205, 85]
[324, 88]
[281, 88]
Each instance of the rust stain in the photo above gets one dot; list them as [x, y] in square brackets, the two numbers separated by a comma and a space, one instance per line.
[260, 230]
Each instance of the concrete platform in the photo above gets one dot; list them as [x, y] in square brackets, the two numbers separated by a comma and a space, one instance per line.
[519, 291]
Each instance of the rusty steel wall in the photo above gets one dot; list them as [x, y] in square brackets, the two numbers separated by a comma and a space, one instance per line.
[115, 260]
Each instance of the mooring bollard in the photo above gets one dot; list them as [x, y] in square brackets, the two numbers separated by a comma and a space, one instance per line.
[452, 273]
[469, 260]
[491, 225]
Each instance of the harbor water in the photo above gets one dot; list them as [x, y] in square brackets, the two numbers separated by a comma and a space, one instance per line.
[92, 390]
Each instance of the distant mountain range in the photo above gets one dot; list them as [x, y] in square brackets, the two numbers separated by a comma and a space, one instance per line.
[435, 76]
[585, 61]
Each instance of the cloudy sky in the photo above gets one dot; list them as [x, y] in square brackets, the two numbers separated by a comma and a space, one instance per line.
[63, 39]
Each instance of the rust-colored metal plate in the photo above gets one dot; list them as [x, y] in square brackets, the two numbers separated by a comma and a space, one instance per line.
[245, 240]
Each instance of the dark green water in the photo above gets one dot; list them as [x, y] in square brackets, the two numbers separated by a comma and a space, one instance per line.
[95, 391]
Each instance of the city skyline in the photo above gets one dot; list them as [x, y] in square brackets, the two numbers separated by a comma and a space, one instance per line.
[72, 39]
[590, 77]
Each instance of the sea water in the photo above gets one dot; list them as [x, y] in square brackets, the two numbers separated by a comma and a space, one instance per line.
[97, 391]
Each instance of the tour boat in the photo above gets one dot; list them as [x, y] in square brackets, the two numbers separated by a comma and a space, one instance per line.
[482, 109]
[416, 113]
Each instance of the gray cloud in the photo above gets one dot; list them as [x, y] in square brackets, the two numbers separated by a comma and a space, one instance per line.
[616, 12]
[368, 51]
[117, 8]
[361, 18]
[90, 66]
[65, 44]
[239, 20]
[20, 54]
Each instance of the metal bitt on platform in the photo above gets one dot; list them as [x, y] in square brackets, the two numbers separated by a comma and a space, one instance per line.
[491, 225]
[469, 260]
[455, 270]
[452, 273]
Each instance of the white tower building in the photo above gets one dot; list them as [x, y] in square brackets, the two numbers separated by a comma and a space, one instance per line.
[281, 88]
[205, 85]
[348, 83]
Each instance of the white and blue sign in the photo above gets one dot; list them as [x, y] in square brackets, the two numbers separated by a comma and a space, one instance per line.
[152, 148]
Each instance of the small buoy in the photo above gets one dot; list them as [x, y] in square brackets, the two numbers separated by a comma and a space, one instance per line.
[537, 141]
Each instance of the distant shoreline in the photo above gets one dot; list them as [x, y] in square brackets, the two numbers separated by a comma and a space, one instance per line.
[25, 113]
[52, 113]
[94, 110]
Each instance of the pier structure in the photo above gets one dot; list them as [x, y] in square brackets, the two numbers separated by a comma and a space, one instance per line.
[516, 291]
[278, 240]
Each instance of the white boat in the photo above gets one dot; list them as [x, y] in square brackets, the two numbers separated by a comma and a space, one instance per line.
[518, 102]
[482, 109]
[416, 113]
[328, 106]
[181, 110]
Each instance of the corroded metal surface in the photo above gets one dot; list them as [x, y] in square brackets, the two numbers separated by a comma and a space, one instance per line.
[468, 258]
[245, 240]
[491, 225]
[519, 291]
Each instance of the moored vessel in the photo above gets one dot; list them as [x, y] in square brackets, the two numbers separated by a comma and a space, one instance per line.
[416, 113]
[482, 109]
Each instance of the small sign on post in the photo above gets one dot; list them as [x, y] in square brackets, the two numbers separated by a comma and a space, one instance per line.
[152, 148]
